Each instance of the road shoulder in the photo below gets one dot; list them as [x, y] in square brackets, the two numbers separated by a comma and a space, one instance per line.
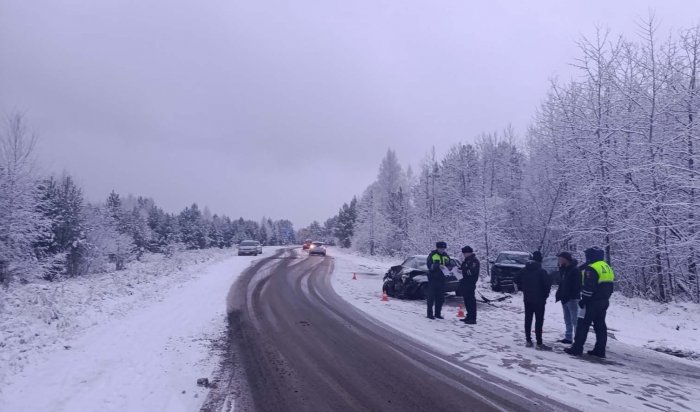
[635, 378]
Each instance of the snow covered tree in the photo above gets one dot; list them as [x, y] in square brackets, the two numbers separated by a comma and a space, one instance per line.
[61, 203]
[345, 223]
[21, 222]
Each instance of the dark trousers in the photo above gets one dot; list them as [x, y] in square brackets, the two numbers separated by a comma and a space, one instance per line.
[595, 314]
[536, 309]
[469, 300]
[436, 297]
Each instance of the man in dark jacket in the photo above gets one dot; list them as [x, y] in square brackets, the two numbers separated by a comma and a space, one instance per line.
[569, 293]
[438, 260]
[598, 278]
[536, 285]
[470, 274]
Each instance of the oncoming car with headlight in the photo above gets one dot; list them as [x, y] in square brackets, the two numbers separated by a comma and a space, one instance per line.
[317, 248]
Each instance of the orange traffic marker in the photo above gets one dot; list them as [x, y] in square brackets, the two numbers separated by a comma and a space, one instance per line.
[460, 312]
[353, 276]
[385, 298]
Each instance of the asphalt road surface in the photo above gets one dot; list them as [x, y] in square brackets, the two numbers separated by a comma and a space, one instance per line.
[295, 345]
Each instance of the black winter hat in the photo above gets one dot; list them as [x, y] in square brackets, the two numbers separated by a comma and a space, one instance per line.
[441, 245]
[594, 254]
[467, 249]
[566, 255]
[537, 256]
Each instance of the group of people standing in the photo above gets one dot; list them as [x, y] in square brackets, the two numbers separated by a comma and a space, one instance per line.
[438, 262]
[584, 292]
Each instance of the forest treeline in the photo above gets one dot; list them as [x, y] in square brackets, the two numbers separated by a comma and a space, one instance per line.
[48, 230]
[610, 160]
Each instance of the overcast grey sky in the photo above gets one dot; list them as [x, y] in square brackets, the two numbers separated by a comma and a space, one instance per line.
[281, 108]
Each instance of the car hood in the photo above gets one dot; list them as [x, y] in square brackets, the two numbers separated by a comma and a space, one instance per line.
[509, 265]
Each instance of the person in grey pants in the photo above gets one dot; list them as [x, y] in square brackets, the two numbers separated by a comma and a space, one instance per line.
[569, 293]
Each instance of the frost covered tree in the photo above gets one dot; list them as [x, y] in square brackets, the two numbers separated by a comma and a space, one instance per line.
[61, 204]
[21, 222]
[345, 223]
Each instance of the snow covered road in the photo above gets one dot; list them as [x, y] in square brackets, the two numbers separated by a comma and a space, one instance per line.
[147, 360]
[634, 378]
[295, 345]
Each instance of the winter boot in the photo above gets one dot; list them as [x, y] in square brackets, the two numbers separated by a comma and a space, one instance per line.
[542, 346]
[573, 352]
[597, 354]
[528, 344]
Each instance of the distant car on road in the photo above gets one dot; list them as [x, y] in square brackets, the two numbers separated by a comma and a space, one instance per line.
[504, 268]
[409, 280]
[307, 244]
[317, 248]
[248, 247]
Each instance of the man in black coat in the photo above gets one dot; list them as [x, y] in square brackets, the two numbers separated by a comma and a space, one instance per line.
[470, 274]
[438, 260]
[536, 285]
[569, 293]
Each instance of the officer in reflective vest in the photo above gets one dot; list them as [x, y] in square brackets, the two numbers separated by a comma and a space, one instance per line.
[438, 260]
[598, 278]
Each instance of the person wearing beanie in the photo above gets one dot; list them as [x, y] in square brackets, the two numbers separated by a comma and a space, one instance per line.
[470, 274]
[569, 293]
[438, 260]
[536, 285]
[598, 280]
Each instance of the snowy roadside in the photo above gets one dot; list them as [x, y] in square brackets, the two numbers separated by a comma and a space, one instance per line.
[633, 377]
[130, 340]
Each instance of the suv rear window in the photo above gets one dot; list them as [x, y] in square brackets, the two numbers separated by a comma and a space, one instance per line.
[249, 243]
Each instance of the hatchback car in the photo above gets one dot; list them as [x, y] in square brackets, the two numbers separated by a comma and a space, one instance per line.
[317, 248]
[248, 247]
[410, 279]
[307, 244]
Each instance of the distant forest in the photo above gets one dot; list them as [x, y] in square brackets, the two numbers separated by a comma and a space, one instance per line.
[48, 230]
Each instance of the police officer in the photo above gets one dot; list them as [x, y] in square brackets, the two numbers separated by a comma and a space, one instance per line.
[437, 261]
[470, 274]
[598, 278]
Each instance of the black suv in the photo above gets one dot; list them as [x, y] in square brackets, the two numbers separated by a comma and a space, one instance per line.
[507, 264]
[504, 268]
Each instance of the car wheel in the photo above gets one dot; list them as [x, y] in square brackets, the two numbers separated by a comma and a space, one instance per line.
[388, 288]
[495, 286]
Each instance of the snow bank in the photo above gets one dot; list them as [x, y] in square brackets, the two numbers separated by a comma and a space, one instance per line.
[632, 378]
[130, 340]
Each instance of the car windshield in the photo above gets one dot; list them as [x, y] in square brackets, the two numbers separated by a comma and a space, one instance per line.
[249, 243]
[416, 262]
[550, 261]
[512, 258]
[318, 244]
